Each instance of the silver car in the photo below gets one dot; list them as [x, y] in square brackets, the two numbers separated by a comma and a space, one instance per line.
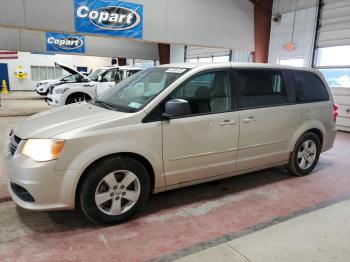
[168, 127]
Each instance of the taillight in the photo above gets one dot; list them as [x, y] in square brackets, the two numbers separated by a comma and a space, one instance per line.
[335, 112]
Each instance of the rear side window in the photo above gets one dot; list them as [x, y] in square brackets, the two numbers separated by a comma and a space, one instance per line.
[308, 87]
[260, 88]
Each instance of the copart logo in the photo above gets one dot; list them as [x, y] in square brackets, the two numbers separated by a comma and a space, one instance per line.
[110, 17]
[66, 42]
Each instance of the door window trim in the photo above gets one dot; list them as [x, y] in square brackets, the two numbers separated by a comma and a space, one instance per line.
[156, 113]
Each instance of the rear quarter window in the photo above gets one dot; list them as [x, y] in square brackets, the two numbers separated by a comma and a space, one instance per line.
[308, 87]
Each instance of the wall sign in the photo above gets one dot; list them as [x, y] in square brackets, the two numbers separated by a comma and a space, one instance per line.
[65, 43]
[109, 17]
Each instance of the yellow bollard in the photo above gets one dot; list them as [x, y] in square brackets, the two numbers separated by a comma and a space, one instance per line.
[4, 90]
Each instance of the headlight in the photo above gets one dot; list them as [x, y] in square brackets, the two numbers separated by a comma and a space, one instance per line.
[60, 90]
[43, 149]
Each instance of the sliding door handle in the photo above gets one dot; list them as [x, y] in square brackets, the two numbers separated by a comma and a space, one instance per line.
[250, 119]
[227, 123]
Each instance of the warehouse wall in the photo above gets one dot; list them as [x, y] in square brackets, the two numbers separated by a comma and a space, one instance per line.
[26, 60]
[35, 41]
[304, 31]
[223, 23]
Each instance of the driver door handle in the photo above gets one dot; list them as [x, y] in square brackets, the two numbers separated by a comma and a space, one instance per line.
[227, 123]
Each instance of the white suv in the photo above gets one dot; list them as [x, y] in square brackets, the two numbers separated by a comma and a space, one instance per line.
[86, 88]
[42, 87]
[169, 127]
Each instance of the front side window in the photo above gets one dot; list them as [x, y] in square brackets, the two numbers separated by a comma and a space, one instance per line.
[135, 92]
[207, 93]
[308, 87]
[110, 76]
[259, 88]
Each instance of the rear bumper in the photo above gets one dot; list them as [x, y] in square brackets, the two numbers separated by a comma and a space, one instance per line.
[329, 139]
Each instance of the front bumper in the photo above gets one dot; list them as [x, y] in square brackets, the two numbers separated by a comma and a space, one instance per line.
[50, 189]
[42, 93]
[55, 100]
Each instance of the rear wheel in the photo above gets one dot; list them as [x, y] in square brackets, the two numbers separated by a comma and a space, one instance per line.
[114, 189]
[305, 155]
[76, 98]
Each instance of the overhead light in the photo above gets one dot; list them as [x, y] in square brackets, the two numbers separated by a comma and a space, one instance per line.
[290, 46]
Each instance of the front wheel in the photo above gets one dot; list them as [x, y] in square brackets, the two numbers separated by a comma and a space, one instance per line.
[76, 98]
[305, 155]
[114, 189]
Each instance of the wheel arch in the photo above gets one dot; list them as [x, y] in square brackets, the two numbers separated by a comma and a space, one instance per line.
[77, 93]
[138, 157]
[315, 127]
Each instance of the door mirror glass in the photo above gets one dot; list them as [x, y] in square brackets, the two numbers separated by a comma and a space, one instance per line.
[176, 107]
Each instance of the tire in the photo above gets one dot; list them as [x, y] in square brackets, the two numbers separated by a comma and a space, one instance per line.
[105, 200]
[305, 155]
[76, 98]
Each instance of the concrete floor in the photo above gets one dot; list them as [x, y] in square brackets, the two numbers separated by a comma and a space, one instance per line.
[322, 235]
[262, 216]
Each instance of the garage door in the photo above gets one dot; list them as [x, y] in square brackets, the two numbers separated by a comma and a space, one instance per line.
[335, 23]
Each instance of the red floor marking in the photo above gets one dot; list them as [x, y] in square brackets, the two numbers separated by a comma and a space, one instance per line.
[181, 218]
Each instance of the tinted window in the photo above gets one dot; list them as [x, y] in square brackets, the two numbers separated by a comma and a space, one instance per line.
[207, 93]
[258, 88]
[308, 87]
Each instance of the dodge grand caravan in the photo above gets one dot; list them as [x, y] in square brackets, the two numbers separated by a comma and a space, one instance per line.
[169, 127]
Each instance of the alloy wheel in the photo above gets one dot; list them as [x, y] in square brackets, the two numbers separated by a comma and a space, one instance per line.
[117, 192]
[307, 154]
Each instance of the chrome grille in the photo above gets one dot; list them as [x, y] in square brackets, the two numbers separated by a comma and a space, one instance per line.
[14, 142]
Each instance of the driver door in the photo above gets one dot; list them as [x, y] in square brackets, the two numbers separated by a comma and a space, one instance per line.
[108, 81]
[204, 143]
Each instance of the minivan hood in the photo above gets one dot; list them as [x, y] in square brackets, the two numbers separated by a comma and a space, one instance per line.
[70, 70]
[59, 120]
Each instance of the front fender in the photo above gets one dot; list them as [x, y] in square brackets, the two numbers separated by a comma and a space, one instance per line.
[79, 153]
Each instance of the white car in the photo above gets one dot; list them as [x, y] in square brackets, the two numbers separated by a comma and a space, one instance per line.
[42, 87]
[87, 88]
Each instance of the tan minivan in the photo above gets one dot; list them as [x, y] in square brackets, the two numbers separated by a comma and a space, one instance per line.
[168, 127]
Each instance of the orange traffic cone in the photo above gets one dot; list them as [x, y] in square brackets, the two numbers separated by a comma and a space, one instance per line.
[4, 90]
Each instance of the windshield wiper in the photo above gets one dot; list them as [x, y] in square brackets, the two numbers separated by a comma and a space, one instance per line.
[105, 105]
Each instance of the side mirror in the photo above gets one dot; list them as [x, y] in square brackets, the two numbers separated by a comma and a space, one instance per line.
[99, 79]
[176, 107]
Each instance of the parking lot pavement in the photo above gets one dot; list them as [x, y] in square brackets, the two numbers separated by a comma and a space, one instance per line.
[180, 222]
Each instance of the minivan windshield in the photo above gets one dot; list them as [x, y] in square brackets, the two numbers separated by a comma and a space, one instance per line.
[135, 92]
